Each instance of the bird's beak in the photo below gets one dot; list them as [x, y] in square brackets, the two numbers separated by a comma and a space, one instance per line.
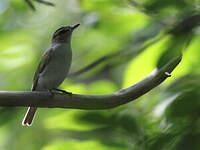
[75, 26]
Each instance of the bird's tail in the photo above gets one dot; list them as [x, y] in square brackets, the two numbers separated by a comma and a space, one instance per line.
[28, 118]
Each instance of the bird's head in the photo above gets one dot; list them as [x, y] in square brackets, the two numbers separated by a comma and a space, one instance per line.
[63, 34]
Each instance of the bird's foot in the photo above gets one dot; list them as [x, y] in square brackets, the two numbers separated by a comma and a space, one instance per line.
[63, 91]
[50, 92]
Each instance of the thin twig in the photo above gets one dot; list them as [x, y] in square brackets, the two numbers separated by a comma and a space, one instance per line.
[90, 66]
[30, 4]
[45, 2]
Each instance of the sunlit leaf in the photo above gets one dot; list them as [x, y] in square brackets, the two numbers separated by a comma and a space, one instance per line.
[143, 64]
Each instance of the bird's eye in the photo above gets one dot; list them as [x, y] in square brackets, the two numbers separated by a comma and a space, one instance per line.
[62, 32]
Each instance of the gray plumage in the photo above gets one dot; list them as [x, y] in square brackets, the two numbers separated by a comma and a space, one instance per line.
[53, 67]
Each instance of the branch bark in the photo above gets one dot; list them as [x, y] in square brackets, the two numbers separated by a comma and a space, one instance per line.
[76, 101]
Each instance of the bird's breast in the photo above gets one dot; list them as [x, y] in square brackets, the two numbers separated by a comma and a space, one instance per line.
[57, 69]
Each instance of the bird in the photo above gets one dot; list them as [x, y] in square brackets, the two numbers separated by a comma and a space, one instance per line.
[53, 67]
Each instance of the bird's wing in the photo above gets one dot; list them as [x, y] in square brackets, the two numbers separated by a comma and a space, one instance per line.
[45, 59]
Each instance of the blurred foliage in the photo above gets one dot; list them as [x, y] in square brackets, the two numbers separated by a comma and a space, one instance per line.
[135, 36]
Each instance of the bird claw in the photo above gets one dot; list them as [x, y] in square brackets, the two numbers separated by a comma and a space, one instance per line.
[50, 92]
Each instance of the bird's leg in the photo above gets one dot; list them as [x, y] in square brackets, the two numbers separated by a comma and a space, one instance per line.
[63, 91]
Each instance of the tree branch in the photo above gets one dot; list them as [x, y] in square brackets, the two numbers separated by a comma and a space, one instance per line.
[186, 25]
[44, 99]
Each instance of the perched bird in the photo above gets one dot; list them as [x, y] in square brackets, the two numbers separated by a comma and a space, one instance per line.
[53, 67]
